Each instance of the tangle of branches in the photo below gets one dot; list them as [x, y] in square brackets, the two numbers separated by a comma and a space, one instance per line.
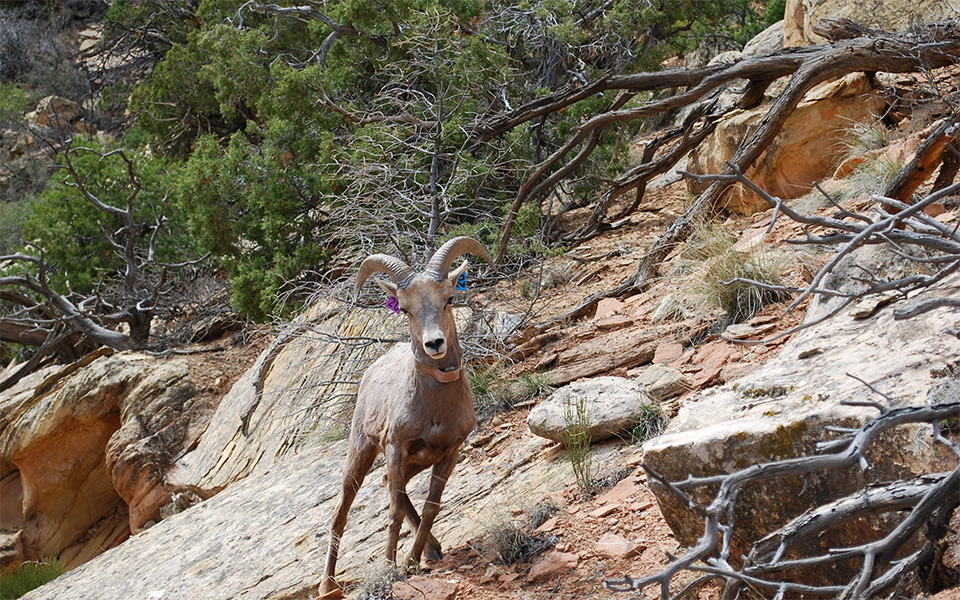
[927, 503]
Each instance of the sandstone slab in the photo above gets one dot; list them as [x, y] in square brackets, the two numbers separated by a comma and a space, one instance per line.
[782, 409]
[264, 538]
[308, 375]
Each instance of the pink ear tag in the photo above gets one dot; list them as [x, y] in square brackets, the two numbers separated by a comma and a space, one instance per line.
[393, 304]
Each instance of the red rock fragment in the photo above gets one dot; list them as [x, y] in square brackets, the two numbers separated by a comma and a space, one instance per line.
[604, 510]
[551, 565]
[667, 351]
[614, 546]
[423, 588]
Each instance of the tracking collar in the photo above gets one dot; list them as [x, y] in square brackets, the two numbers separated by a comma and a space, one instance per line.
[445, 375]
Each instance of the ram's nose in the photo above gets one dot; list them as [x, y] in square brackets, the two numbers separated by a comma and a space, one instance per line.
[435, 348]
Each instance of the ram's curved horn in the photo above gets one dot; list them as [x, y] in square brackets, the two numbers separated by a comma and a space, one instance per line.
[439, 263]
[398, 270]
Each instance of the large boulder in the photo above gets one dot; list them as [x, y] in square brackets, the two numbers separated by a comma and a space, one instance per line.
[807, 149]
[782, 409]
[54, 427]
[611, 406]
[160, 418]
[801, 16]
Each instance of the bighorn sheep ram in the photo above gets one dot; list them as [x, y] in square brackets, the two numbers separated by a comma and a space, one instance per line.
[414, 404]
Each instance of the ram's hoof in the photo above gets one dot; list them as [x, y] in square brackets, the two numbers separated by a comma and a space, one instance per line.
[433, 552]
[329, 590]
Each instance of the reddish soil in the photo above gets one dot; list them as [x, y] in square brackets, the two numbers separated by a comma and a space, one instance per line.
[628, 509]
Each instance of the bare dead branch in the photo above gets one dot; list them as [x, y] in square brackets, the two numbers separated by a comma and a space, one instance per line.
[929, 46]
[928, 157]
[926, 497]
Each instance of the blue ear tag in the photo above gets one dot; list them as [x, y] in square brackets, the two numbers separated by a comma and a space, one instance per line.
[462, 282]
[393, 304]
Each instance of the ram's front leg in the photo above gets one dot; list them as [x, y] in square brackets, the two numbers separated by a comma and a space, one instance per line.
[438, 480]
[395, 485]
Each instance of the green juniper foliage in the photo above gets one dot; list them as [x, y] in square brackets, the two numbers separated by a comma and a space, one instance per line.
[284, 139]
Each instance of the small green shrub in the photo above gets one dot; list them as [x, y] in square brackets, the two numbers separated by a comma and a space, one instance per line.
[14, 101]
[577, 435]
[28, 576]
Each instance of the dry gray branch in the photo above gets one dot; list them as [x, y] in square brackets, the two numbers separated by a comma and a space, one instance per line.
[855, 49]
[894, 224]
[928, 501]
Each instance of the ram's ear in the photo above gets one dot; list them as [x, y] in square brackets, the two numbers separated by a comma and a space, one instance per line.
[455, 275]
[389, 287]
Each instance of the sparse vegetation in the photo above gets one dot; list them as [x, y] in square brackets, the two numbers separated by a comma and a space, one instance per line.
[533, 385]
[577, 440]
[872, 176]
[728, 273]
[28, 576]
[864, 137]
[652, 423]
[493, 391]
[517, 541]
[377, 581]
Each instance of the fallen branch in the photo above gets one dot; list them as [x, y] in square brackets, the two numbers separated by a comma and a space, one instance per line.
[904, 227]
[927, 498]
[855, 49]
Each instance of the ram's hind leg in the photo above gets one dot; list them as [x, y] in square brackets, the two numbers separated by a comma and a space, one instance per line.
[432, 549]
[438, 480]
[410, 470]
[360, 457]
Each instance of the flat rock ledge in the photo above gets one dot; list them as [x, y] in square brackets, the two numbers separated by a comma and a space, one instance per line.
[264, 538]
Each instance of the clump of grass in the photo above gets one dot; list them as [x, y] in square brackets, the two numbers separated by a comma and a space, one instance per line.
[28, 576]
[728, 273]
[865, 137]
[377, 581]
[577, 440]
[493, 391]
[872, 176]
[652, 422]
[532, 385]
[516, 541]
